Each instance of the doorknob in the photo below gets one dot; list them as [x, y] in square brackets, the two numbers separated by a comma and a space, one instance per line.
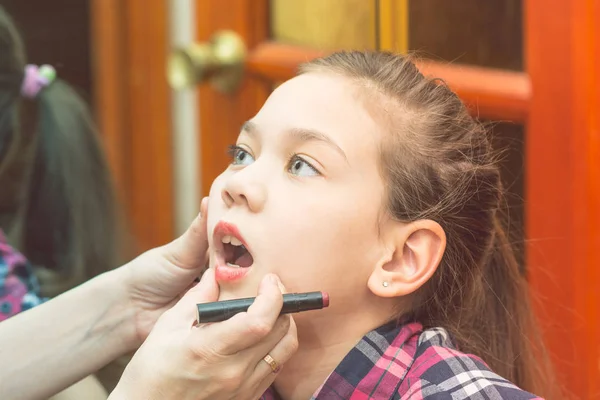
[220, 62]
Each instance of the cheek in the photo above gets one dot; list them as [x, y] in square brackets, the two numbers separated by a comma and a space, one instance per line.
[325, 242]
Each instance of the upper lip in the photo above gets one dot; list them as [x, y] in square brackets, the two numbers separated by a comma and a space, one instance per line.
[223, 229]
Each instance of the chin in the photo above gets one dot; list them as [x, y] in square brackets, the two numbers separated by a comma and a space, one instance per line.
[236, 283]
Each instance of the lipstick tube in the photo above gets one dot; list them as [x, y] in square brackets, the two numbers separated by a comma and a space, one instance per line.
[292, 303]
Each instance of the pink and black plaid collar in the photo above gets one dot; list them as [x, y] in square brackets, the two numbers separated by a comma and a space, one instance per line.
[404, 362]
[374, 368]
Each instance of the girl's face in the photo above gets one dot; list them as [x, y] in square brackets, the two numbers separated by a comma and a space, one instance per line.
[303, 193]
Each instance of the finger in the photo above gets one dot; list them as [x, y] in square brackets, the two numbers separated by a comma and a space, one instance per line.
[246, 329]
[189, 250]
[280, 354]
[205, 291]
[255, 353]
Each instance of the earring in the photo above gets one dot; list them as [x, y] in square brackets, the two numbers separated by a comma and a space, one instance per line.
[385, 284]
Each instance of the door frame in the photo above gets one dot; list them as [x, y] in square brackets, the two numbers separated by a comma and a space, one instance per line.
[562, 52]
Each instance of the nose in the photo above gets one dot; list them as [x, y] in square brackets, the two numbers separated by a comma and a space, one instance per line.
[244, 190]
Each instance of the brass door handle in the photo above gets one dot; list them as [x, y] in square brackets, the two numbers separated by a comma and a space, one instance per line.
[220, 62]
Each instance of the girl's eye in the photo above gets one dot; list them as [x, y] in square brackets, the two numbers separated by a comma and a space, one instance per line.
[301, 167]
[240, 156]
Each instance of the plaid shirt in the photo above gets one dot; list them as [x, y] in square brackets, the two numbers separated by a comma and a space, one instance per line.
[407, 363]
[18, 286]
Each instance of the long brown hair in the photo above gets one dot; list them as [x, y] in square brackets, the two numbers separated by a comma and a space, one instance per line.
[439, 165]
[57, 202]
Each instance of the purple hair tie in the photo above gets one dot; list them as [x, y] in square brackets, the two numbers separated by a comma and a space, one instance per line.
[36, 78]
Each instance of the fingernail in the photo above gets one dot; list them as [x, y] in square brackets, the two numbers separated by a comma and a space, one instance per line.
[282, 288]
[273, 279]
[277, 281]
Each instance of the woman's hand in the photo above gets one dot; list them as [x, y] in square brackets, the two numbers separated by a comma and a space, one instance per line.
[154, 281]
[224, 360]
[98, 321]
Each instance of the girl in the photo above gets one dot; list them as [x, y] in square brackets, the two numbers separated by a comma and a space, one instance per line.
[364, 179]
[57, 203]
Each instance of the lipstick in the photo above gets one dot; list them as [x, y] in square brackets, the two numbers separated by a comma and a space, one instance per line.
[292, 303]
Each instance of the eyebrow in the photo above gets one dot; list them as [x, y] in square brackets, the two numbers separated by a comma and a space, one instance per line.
[301, 135]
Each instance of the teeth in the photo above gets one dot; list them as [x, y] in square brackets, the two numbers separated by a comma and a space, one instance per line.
[230, 239]
[233, 265]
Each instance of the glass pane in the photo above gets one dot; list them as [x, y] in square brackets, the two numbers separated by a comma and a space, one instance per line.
[325, 24]
[484, 33]
[509, 140]
[58, 33]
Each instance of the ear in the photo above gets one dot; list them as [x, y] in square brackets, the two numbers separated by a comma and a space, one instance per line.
[414, 253]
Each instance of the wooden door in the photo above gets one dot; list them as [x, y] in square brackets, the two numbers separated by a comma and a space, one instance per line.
[551, 89]
[129, 46]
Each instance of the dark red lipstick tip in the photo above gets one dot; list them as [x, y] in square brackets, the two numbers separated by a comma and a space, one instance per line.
[325, 299]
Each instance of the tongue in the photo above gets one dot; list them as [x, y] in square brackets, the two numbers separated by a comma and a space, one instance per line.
[229, 252]
[245, 260]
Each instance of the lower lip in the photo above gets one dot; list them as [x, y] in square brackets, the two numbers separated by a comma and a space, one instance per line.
[225, 273]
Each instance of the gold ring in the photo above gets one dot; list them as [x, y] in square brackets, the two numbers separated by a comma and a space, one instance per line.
[272, 363]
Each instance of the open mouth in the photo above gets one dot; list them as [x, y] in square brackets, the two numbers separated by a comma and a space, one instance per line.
[235, 253]
[233, 256]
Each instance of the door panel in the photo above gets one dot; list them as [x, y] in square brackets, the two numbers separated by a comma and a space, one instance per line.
[325, 25]
[472, 32]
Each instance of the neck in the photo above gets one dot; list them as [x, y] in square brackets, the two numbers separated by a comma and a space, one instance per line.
[324, 341]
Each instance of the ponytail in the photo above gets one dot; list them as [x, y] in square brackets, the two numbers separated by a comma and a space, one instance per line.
[70, 225]
[485, 307]
[508, 338]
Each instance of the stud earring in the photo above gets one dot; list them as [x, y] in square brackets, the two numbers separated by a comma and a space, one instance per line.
[385, 284]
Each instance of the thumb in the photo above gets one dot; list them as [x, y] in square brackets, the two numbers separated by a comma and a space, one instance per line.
[189, 250]
[204, 292]
[280, 284]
